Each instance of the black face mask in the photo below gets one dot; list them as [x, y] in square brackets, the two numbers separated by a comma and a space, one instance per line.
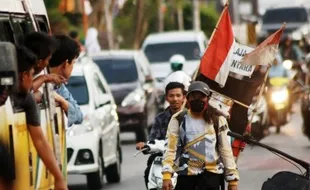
[197, 105]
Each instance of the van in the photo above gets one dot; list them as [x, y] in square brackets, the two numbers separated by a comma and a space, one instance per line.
[297, 20]
[29, 170]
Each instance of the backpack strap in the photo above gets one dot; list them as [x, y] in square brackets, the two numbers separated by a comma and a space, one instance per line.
[180, 119]
[180, 116]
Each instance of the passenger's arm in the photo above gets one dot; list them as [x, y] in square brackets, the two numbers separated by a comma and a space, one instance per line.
[45, 151]
[171, 148]
[225, 150]
[63, 103]
[40, 80]
[74, 113]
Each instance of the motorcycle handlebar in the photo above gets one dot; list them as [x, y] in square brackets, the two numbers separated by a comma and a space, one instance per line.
[250, 140]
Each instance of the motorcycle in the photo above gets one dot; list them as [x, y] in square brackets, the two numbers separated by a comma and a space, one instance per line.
[260, 118]
[283, 180]
[305, 101]
[278, 100]
[155, 176]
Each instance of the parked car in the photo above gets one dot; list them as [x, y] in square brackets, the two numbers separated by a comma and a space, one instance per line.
[94, 147]
[132, 85]
[160, 47]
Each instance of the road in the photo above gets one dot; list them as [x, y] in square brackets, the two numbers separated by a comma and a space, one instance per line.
[255, 164]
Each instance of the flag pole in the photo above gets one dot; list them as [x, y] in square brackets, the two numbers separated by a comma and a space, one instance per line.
[197, 70]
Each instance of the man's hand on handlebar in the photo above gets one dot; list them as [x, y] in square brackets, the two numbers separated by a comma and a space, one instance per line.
[232, 187]
[167, 184]
[140, 145]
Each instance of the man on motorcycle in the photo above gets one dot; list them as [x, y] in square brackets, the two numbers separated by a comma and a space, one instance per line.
[277, 69]
[289, 50]
[200, 163]
[176, 62]
[175, 96]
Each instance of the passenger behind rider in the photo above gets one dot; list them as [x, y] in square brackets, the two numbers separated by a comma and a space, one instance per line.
[43, 45]
[175, 96]
[25, 100]
[61, 63]
[277, 69]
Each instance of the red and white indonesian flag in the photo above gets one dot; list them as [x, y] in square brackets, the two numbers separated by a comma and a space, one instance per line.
[265, 53]
[223, 54]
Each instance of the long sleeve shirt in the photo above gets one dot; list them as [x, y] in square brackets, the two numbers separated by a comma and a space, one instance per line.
[203, 154]
[159, 128]
[75, 115]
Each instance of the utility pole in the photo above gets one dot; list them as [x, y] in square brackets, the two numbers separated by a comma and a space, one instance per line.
[196, 15]
[160, 14]
[109, 22]
[255, 7]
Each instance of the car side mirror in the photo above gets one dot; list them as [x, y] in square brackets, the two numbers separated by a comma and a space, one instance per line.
[8, 65]
[8, 70]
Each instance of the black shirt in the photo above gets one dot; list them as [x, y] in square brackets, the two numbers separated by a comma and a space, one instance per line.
[29, 105]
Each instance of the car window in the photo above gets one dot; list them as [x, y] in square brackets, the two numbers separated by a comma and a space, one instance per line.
[99, 90]
[296, 15]
[78, 88]
[99, 84]
[144, 62]
[164, 51]
[118, 70]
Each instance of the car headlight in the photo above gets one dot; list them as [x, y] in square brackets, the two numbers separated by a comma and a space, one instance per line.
[288, 64]
[135, 97]
[86, 126]
[279, 96]
[297, 35]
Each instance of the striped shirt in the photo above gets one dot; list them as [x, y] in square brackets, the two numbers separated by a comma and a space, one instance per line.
[203, 154]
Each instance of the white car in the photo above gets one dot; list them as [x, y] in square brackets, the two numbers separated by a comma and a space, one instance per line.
[160, 47]
[94, 147]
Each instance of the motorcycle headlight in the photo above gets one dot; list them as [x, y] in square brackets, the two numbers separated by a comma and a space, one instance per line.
[279, 96]
[288, 64]
[135, 97]
[86, 126]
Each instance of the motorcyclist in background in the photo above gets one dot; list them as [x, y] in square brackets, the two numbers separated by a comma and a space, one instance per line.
[277, 69]
[289, 50]
[175, 91]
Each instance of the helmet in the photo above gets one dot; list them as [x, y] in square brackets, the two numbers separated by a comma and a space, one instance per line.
[180, 77]
[176, 62]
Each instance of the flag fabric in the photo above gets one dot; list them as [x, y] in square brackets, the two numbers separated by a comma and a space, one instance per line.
[215, 62]
[265, 53]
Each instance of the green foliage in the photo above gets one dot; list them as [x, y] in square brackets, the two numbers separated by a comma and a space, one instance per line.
[208, 17]
[51, 4]
[125, 22]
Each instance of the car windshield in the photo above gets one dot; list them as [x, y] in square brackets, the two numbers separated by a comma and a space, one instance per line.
[295, 15]
[164, 51]
[118, 71]
[78, 88]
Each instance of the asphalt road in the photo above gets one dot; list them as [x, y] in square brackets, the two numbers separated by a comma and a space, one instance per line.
[255, 164]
